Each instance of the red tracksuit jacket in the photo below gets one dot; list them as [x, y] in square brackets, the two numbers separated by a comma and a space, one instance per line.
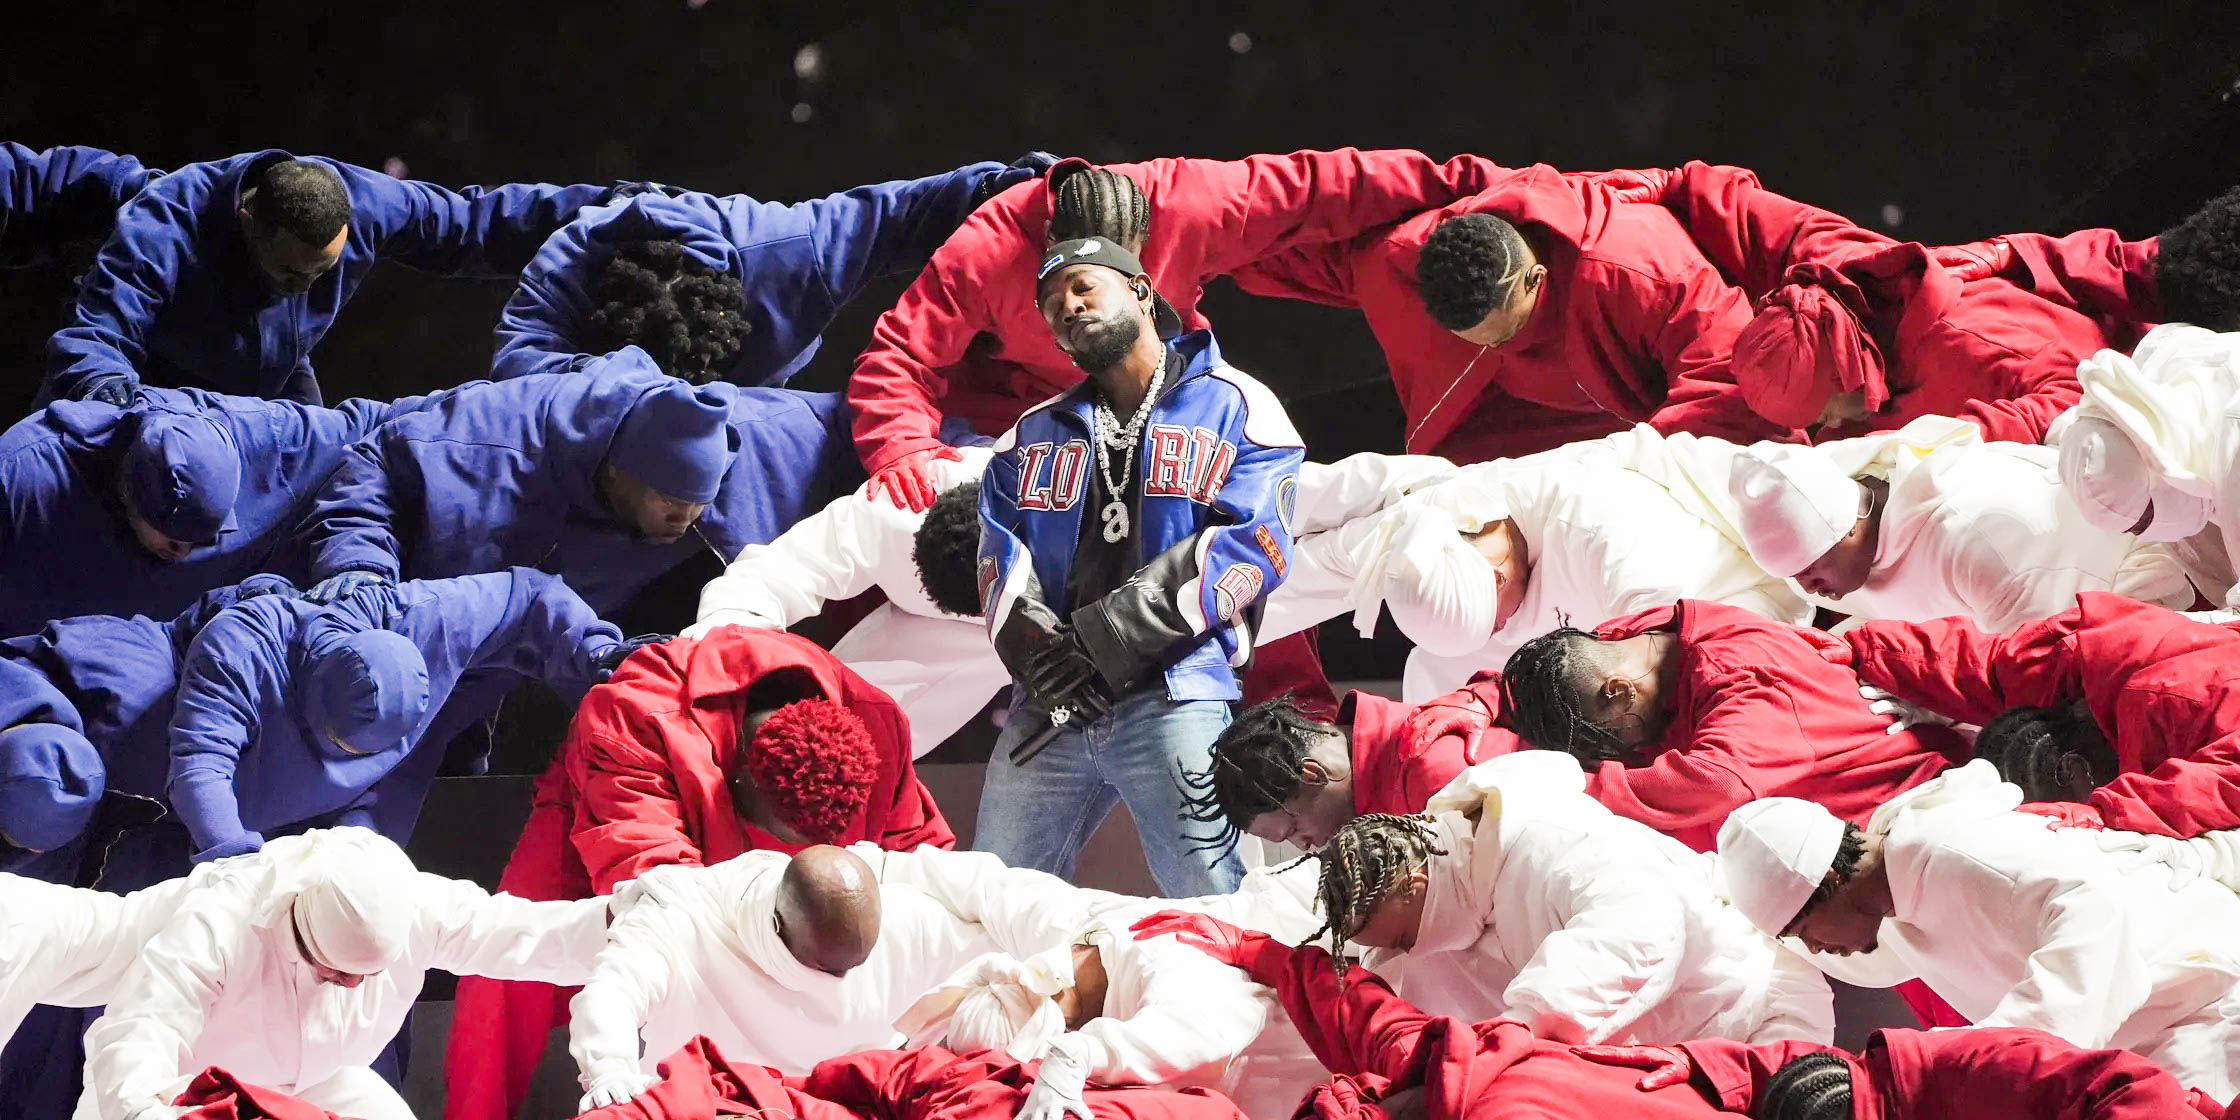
[1391, 777]
[2094, 271]
[1982, 350]
[966, 339]
[1633, 325]
[1761, 709]
[2163, 688]
[1976, 1073]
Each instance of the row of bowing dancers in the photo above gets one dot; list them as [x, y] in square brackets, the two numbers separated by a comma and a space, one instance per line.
[1787, 602]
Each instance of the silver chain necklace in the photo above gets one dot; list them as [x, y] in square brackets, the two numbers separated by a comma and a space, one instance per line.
[1111, 437]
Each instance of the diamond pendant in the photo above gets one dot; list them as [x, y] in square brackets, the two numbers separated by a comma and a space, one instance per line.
[1115, 522]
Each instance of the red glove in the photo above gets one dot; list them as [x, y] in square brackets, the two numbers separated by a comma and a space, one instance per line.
[909, 480]
[1975, 260]
[1215, 938]
[1462, 710]
[1667, 1065]
[2066, 814]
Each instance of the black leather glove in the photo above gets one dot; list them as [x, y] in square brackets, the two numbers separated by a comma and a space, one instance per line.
[114, 388]
[1060, 676]
[632, 188]
[608, 660]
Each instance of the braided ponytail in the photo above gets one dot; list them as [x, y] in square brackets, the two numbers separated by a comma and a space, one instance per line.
[1544, 689]
[1096, 202]
[1813, 1087]
[2032, 746]
[1361, 865]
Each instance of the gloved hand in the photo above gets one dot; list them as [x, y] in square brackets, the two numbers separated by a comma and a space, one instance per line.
[1059, 673]
[1461, 711]
[240, 845]
[1231, 945]
[342, 585]
[1666, 1065]
[604, 663]
[1033, 165]
[260, 585]
[2184, 860]
[111, 388]
[2065, 814]
[1901, 713]
[1975, 260]
[908, 481]
[615, 1088]
[632, 188]
[1059, 1083]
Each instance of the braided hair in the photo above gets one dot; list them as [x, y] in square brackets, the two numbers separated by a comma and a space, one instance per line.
[1849, 851]
[1363, 862]
[687, 316]
[2031, 746]
[1545, 687]
[1811, 1087]
[1470, 265]
[1097, 202]
[1255, 770]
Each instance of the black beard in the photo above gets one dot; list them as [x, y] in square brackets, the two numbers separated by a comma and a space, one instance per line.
[1107, 347]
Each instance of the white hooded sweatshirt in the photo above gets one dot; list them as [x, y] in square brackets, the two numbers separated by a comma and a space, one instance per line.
[223, 982]
[69, 947]
[2018, 923]
[1551, 910]
[699, 954]
[1172, 1017]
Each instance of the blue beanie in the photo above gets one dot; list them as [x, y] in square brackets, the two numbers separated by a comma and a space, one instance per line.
[50, 780]
[367, 688]
[678, 440]
[183, 473]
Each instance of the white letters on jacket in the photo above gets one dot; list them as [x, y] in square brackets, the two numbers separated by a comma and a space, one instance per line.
[1551, 910]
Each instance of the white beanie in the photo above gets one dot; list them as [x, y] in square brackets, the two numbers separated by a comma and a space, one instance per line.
[1773, 853]
[1795, 505]
[356, 913]
[1440, 589]
[2111, 481]
[995, 1002]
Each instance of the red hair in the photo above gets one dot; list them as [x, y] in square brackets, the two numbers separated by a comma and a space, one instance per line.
[814, 761]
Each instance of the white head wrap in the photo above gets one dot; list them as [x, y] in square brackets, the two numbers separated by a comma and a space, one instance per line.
[1773, 853]
[1795, 505]
[2111, 481]
[995, 1002]
[1440, 589]
[356, 907]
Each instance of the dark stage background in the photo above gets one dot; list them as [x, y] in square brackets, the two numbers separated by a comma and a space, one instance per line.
[1936, 121]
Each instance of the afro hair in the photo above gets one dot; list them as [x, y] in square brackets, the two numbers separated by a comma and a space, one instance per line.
[685, 315]
[814, 761]
[2197, 266]
[947, 551]
[1469, 265]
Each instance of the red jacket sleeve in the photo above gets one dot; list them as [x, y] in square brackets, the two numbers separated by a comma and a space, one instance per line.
[1265, 204]
[2185, 796]
[1752, 235]
[1749, 741]
[903, 371]
[1734, 1073]
[2094, 271]
[1952, 668]
[1355, 1025]
[1320, 273]
[1690, 328]
[2034, 1073]
[910, 816]
[629, 818]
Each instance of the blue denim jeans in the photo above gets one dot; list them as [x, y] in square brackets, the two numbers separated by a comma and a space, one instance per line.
[1039, 815]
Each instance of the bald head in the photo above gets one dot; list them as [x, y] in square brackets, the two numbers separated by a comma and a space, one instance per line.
[828, 909]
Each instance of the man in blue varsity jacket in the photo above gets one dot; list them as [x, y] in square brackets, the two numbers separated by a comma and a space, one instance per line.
[1130, 529]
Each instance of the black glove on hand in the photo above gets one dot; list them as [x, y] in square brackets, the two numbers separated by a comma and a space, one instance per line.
[604, 665]
[1059, 674]
[115, 388]
[342, 585]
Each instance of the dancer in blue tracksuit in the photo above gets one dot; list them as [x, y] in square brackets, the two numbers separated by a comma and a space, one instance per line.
[55, 199]
[727, 287]
[609, 478]
[1123, 563]
[224, 275]
[50, 776]
[137, 511]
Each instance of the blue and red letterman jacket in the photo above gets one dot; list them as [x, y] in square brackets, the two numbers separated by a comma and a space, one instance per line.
[1212, 495]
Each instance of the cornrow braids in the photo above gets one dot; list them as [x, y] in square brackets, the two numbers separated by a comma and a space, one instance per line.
[1360, 866]
[689, 318]
[2031, 747]
[1097, 202]
[1544, 689]
[1811, 1087]
[1255, 770]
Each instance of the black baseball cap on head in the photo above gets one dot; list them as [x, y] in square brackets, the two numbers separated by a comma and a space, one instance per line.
[1112, 255]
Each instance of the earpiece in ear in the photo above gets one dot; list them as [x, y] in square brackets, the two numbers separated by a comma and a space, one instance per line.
[1143, 290]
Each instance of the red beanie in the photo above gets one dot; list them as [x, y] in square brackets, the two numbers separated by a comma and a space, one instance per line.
[814, 761]
[1805, 346]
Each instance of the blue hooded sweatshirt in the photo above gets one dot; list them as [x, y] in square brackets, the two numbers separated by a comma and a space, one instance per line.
[50, 776]
[65, 548]
[175, 298]
[503, 473]
[250, 755]
[61, 197]
[798, 264]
